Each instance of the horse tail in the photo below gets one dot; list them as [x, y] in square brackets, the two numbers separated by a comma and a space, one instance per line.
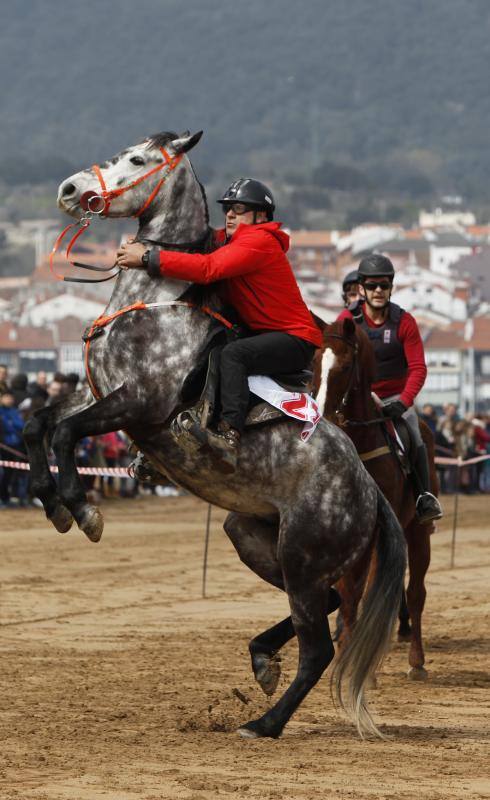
[371, 635]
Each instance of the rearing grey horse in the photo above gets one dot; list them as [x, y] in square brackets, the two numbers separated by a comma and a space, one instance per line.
[301, 513]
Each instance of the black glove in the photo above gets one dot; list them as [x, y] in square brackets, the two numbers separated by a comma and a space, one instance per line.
[394, 410]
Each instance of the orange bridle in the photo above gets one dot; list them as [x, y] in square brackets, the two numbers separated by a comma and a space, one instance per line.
[98, 204]
[108, 195]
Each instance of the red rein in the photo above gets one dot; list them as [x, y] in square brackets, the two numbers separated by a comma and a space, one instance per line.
[93, 203]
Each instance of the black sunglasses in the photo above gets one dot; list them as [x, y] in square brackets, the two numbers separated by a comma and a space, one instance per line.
[372, 285]
[237, 208]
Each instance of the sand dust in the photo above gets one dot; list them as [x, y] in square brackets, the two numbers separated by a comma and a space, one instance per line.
[118, 682]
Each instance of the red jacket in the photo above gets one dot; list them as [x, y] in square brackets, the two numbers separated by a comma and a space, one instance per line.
[409, 386]
[257, 279]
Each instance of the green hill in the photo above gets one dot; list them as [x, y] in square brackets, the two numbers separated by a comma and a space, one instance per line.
[367, 97]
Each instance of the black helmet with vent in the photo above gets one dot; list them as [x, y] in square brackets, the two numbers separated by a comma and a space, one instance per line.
[251, 193]
[375, 266]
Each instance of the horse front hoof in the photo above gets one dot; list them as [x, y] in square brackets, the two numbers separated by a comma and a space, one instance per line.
[267, 671]
[403, 636]
[92, 523]
[417, 674]
[61, 519]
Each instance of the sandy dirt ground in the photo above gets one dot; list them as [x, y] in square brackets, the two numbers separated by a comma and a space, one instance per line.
[119, 682]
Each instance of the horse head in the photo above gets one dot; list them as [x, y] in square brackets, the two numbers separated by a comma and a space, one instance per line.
[353, 368]
[152, 181]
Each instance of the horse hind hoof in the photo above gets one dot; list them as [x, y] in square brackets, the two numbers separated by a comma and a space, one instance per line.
[258, 729]
[61, 519]
[267, 671]
[417, 674]
[246, 733]
[92, 523]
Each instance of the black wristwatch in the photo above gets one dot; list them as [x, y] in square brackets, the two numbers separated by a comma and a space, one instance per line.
[145, 258]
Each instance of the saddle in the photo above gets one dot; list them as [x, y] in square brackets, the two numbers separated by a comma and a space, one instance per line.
[201, 390]
[398, 439]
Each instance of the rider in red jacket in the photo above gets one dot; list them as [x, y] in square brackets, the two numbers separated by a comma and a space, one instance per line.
[257, 280]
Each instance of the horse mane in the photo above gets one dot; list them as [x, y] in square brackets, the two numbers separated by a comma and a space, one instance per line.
[367, 358]
[160, 139]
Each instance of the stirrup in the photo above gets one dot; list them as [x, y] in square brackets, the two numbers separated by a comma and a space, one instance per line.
[142, 469]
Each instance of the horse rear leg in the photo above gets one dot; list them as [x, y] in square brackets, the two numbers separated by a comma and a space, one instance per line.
[316, 650]
[255, 541]
[418, 540]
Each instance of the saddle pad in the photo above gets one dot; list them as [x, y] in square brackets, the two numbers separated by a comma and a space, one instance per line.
[299, 405]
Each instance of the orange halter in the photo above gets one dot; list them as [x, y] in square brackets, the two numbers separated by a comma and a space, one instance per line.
[108, 195]
[89, 201]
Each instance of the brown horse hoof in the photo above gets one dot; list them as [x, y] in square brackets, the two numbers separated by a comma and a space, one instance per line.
[92, 523]
[267, 673]
[417, 674]
[404, 637]
[61, 519]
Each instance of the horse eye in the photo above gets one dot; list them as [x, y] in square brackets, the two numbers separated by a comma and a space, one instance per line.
[137, 161]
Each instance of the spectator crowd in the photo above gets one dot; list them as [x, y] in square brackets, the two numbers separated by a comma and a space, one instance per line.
[465, 436]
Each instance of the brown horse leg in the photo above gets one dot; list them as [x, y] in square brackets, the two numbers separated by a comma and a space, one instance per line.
[418, 540]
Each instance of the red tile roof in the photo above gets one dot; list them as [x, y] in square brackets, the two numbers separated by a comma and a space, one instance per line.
[13, 337]
[453, 337]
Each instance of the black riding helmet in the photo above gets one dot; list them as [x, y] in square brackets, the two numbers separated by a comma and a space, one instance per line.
[351, 277]
[251, 193]
[375, 266]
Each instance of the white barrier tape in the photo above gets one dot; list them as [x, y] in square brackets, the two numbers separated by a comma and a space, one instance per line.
[122, 472]
[113, 472]
[458, 462]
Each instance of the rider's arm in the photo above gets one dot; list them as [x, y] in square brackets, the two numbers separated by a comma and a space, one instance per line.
[236, 258]
[409, 336]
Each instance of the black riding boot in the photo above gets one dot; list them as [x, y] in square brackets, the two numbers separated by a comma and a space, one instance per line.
[427, 506]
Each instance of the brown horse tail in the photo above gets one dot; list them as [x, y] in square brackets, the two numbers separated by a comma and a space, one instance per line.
[371, 635]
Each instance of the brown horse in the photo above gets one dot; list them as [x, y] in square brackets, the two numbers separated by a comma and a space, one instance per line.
[350, 405]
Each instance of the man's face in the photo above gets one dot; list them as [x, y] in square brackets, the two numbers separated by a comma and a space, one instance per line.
[55, 389]
[376, 291]
[7, 400]
[352, 293]
[41, 379]
[239, 214]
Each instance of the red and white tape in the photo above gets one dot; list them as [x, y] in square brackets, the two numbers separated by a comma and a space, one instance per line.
[122, 472]
[114, 472]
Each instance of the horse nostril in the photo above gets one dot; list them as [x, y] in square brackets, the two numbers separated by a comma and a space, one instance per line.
[68, 190]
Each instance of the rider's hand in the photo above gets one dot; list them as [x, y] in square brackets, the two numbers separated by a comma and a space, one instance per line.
[394, 410]
[129, 255]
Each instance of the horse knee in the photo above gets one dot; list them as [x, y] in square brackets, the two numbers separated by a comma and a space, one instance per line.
[33, 430]
[62, 438]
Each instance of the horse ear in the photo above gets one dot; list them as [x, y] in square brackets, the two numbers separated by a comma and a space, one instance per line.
[349, 328]
[185, 142]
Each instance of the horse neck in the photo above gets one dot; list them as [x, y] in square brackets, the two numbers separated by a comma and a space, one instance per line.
[359, 407]
[177, 216]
